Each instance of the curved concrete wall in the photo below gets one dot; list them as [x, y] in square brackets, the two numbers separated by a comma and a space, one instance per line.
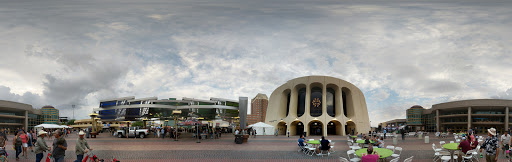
[355, 106]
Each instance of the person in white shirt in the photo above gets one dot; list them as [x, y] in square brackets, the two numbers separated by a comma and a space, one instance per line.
[505, 140]
[236, 132]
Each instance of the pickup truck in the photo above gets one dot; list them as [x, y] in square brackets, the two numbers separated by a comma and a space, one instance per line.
[132, 132]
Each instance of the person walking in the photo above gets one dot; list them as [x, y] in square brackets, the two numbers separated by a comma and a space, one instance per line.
[288, 132]
[491, 146]
[59, 146]
[505, 139]
[385, 133]
[30, 140]
[158, 132]
[17, 142]
[403, 134]
[81, 147]
[41, 146]
[24, 140]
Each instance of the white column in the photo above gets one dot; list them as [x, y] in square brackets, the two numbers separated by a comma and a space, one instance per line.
[26, 121]
[469, 118]
[507, 118]
[438, 126]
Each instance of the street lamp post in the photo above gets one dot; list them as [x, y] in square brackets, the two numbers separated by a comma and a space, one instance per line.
[176, 113]
[73, 111]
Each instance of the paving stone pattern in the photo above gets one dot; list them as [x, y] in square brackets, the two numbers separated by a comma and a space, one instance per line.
[262, 148]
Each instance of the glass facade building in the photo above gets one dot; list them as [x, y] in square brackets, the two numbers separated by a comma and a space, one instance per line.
[458, 116]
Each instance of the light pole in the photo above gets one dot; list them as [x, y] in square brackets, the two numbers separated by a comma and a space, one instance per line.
[176, 113]
[73, 111]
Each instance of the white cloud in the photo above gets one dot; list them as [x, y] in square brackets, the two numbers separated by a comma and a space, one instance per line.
[403, 53]
[160, 16]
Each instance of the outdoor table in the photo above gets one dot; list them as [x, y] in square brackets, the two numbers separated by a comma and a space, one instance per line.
[353, 136]
[314, 142]
[361, 142]
[383, 152]
[451, 147]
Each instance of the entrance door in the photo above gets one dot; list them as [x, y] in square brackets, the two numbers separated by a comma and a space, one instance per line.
[315, 128]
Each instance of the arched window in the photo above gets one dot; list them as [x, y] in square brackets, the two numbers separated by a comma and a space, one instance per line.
[344, 98]
[288, 104]
[301, 102]
[316, 102]
[331, 104]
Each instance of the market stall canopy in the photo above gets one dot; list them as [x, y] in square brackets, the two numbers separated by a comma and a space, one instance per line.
[262, 128]
[189, 123]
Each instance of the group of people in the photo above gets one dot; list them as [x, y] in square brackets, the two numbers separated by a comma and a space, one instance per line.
[490, 147]
[23, 140]
[325, 145]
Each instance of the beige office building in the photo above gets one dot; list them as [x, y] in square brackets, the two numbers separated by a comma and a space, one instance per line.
[318, 105]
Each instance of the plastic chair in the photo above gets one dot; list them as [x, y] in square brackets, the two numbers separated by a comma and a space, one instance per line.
[435, 148]
[311, 151]
[447, 158]
[323, 152]
[468, 156]
[452, 141]
[392, 148]
[397, 149]
[351, 155]
[442, 143]
[395, 159]
[342, 159]
[409, 159]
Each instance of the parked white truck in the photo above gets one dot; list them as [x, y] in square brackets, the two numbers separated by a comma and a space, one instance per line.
[132, 132]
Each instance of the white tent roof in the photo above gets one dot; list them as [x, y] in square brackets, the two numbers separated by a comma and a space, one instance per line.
[260, 124]
[51, 126]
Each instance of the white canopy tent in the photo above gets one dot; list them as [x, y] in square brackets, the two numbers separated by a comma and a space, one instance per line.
[262, 128]
[49, 126]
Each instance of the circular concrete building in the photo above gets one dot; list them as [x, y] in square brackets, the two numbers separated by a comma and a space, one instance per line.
[318, 105]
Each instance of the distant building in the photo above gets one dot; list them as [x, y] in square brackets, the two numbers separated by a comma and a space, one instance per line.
[258, 109]
[86, 123]
[63, 119]
[15, 115]
[456, 116]
[392, 124]
[318, 105]
[50, 115]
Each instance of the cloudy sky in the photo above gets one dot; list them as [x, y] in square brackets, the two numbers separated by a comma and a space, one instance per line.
[398, 53]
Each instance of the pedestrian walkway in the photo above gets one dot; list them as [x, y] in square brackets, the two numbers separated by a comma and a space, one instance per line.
[262, 148]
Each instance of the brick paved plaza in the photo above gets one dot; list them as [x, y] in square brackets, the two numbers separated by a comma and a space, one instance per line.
[268, 148]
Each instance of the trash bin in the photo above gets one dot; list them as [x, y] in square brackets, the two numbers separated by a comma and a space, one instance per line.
[239, 139]
[420, 136]
[394, 141]
[426, 139]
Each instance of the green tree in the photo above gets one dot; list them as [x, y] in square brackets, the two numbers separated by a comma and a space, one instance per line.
[138, 124]
[71, 122]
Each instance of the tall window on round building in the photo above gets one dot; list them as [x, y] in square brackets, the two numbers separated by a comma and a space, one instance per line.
[331, 111]
[301, 105]
[316, 102]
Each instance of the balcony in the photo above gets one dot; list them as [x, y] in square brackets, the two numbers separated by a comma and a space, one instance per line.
[487, 115]
[454, 123]
[12, 116]
[488, 122]
[453, 115]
